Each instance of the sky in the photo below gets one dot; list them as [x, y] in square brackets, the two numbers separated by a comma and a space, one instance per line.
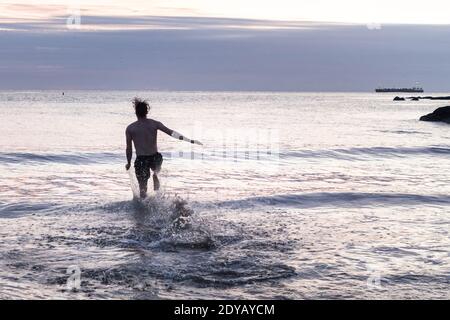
[359, 11]
[282, 45]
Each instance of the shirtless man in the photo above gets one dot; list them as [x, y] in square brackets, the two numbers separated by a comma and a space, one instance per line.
[143, 133]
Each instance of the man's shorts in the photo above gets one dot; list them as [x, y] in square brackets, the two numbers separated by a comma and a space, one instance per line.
[143, 164]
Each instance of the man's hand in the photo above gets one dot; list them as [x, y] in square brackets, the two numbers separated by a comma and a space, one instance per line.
[127, 166]
[196, 142]
[179, 136]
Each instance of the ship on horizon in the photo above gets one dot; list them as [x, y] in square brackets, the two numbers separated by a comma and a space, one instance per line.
[413, 89]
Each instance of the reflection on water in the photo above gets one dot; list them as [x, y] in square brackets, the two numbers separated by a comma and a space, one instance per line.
[355, 205]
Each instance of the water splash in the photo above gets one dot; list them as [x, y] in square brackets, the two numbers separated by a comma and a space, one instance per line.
[174, 220]
[134, 183]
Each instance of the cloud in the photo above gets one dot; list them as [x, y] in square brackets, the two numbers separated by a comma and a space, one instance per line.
[92, 23]
[22, 11]
[356, 11]
[186, 53]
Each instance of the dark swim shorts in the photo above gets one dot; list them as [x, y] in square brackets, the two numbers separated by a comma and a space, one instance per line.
[143, 164]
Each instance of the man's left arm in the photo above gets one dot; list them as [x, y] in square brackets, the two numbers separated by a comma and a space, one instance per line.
[129, 150]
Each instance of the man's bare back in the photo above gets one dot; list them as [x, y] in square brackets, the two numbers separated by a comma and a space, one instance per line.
[144, 134]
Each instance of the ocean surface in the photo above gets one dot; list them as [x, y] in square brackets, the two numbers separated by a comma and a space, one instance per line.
[292, 196]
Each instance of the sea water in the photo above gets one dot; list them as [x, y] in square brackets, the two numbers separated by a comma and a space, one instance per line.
[292, 196]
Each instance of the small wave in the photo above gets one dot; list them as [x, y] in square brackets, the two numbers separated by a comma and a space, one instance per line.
[211, 274]
[65, 158]
[81, 158]
[394, 251]
[363, 153]
[241, 272]
[405, 132]
[415, 279]
[338, 199]
[13, 210]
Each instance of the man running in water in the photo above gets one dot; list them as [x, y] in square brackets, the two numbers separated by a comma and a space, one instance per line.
[143, 134]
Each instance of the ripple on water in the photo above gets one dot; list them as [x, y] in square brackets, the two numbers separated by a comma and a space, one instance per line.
[168, 241]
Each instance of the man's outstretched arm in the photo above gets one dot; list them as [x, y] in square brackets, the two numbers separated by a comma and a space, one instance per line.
[176, 135]
[129, 150]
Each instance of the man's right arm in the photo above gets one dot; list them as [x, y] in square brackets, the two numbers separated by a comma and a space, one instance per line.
[129, 149]
[176, 135]
[164, 129]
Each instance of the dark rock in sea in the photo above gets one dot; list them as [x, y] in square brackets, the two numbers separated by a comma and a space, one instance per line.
[440, 114]
[437, 98]
[399, 99]
[429, 98]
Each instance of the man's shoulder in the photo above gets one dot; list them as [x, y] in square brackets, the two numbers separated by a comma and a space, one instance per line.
[131, 126]
[154, 122]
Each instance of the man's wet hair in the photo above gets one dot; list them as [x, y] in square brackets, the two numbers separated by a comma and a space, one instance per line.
[141, 107]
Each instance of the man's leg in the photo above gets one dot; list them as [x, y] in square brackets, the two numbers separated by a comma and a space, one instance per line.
[143, 187]
[156, 168]
[156, 183]
[142, 175]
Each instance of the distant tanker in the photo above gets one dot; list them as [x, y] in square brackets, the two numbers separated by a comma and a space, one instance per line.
[413, 89]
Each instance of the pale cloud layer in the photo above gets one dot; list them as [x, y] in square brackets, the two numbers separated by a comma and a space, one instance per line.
[356, 11]
[223, 45]
[192, 53]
